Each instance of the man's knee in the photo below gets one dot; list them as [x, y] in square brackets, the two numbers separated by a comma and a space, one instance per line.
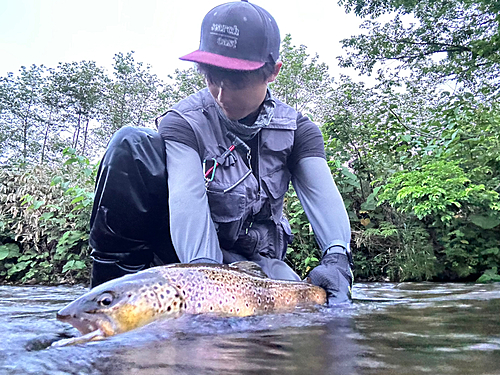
[129, 135]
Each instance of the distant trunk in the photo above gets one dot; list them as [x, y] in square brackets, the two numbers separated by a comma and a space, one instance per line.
[85, 133]
[122, 111]
[25, 129]
[25, 138]
[76, 134]
[46, 136]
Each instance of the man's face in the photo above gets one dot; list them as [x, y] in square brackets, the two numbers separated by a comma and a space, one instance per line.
[237, 102]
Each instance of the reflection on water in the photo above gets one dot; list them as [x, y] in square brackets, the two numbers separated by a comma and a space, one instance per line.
[408, 328]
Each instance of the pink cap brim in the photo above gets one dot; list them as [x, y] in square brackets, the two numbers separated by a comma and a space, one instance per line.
[222, 61]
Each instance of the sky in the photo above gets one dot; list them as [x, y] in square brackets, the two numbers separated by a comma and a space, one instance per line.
[159, 31]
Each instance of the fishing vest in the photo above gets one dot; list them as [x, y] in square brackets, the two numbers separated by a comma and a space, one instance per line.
[247, 210]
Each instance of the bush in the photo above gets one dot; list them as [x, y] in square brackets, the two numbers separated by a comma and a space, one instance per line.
[44, 217]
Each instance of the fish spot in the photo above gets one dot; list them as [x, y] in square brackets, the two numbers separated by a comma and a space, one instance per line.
[175, 303]
[162, 296]
[168, 291]
[177, 295]
[169, 308]
[155, 287]
[199, 304]
[211, 308]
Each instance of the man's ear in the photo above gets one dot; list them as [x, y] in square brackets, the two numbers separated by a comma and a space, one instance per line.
[277, 69]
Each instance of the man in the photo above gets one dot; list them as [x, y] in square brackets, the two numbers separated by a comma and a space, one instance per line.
[209, 186]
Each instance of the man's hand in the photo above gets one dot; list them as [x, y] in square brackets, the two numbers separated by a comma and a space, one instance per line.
[334, 275]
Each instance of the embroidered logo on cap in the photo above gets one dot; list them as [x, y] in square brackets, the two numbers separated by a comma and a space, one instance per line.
[227, 35]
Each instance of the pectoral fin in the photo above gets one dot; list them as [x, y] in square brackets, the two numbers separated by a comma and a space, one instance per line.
[92, 336]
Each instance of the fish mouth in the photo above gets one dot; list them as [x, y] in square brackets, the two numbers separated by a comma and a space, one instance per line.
[82, 324]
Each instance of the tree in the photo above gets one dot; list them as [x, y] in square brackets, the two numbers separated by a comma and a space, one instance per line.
[184, 83]
[442, 171]
[81, 85]
[20, 99]
[302, 80]
[133, 96]
[445, 40]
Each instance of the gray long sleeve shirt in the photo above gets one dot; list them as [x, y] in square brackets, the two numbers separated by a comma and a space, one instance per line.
[193, 232]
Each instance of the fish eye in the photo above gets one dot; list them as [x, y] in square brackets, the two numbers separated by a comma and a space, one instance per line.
[105, 299]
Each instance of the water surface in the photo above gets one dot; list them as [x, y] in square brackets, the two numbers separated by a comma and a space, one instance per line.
[406, 328]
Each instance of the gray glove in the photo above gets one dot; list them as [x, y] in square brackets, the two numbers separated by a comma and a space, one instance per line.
[334, 275]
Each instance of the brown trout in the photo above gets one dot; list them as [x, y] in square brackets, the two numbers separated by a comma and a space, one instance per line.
[132, 301]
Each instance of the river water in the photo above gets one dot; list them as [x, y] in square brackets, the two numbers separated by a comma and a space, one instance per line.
[406, 328]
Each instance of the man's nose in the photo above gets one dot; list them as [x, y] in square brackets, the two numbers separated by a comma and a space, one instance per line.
[221, 95]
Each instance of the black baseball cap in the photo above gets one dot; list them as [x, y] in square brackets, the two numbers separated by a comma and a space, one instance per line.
[238, 36]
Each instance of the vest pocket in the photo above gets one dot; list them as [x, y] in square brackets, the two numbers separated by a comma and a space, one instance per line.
[277, 183]
[226, 207]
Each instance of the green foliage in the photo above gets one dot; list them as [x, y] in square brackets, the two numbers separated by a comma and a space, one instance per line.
[302, 80]
[303, 254]
[133, 96]
[490, 275]
[44, 221]
[439, 189]
[184, 83]
[395, 252]
[435, 39]
[415, 157]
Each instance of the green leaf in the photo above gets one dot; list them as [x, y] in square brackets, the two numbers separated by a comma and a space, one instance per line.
[10, 250]
[47, 215]
[485, 222]
[18, 267]
[36, 205]
[78, 199]
[406, 137]
[56, 180]
[371, 201]
[490, 275]
[68, 266]
[4, 252]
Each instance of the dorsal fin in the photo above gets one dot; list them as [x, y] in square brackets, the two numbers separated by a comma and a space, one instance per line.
[249, 267]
